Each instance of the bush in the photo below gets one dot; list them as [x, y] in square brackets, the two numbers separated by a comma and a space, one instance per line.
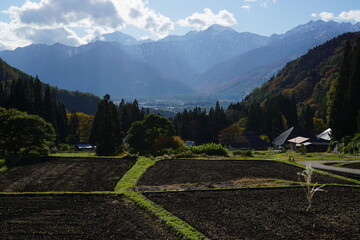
[185, 154]
[167, 145]
[352, 146]
[245, 153]
[347, 145]
[210, 149]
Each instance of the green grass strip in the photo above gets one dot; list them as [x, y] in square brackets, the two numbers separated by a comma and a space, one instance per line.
[126, 186]
[128, 181]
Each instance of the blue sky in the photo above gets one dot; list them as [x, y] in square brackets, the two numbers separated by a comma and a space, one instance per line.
[76, 22]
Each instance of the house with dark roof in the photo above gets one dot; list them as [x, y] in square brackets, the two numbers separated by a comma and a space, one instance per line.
[296, 136]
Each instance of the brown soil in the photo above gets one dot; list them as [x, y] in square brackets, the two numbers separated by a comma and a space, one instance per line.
[73, 217]
[267, 213]
[169, 172]
[353, 165]
[347, 175]
[241, 183]
[76, 175]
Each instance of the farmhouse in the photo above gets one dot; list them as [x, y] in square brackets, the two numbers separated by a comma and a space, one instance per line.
[296, 136]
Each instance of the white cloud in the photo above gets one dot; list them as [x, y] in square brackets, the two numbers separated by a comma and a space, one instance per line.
[326, 16]
[352, 15]
[250, 0]
[266, 3]
[247, 7]
[203, 20]
[54, 20]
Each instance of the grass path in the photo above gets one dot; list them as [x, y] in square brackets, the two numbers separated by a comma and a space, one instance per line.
[126, 186]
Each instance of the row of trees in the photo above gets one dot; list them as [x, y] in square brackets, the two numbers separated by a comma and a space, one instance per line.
[199, 125]
[145, 135]
[270, 117]
[32, 97]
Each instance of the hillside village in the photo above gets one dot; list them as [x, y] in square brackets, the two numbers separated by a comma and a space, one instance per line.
[214, 134]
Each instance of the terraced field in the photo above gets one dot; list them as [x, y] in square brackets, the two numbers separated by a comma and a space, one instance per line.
[267, 213]
[74, 216]
[65, 175]
[92, 198]
[194, 171]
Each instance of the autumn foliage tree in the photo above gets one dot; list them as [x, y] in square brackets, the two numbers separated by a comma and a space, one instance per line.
[232, 134]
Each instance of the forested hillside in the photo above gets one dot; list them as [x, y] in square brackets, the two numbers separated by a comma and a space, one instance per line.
[314, 80]
[73, 101]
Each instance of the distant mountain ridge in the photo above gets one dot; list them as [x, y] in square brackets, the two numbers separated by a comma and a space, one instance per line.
[218, 61]
[243, 73]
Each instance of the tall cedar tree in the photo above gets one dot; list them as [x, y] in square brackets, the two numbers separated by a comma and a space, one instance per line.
[129, 113]
[344, 110]
[28, 95]
[74, 125]
[105, 133]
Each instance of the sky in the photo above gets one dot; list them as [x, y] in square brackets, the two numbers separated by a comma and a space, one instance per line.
[77, 22]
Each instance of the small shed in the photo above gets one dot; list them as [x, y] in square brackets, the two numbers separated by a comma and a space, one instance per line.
[84, 147]
[189, 143]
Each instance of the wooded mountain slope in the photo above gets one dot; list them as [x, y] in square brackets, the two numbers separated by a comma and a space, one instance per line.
[309, 78]
[73, 100]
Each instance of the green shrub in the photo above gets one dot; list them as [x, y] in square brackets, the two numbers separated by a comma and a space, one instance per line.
[352, 145]
[2, 163]
[210, 149]
[185, 154]
[245, 153]
[347, 145]
[22, 134]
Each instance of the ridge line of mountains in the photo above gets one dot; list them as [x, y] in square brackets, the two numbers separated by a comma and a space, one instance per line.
[218, 61]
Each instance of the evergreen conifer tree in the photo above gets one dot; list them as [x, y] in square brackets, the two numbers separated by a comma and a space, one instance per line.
[105, 133]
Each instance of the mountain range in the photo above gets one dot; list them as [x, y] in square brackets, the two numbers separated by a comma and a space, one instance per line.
[218, 61]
